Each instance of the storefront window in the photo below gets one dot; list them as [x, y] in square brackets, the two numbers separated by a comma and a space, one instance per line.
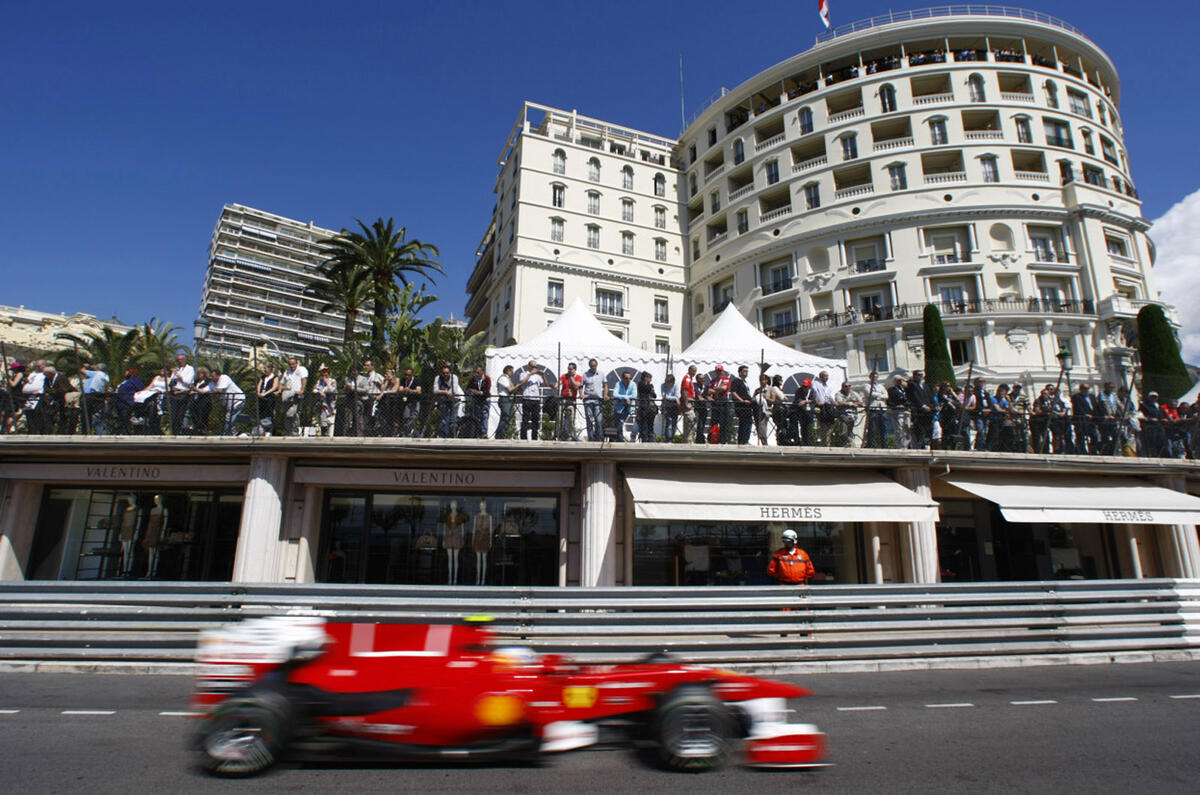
[162, 534]
[977, 544]
[456, 539]
[737, 553]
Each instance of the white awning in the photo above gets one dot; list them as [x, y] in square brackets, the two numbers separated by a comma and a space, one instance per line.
[1079, 500]
[716, 495]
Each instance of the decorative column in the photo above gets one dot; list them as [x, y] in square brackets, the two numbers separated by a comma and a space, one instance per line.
[599, 521]
[1178, 544]
[918, 540]
[19, 504]
[259, 543]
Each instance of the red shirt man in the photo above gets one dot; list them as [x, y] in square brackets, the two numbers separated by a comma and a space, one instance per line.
[790, 565]
[571, 383]
[687, 387]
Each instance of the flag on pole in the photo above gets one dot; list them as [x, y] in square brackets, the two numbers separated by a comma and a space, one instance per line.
[823, 11]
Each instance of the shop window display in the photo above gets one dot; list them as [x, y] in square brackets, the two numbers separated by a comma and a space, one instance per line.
[161, 534]
[737, 553]
[459, 539]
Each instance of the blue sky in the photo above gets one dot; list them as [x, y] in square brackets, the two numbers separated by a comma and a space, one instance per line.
[126, 126]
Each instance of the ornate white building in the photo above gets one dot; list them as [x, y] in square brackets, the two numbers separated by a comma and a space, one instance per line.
[968, 156]
[584, 209]
[972, 157]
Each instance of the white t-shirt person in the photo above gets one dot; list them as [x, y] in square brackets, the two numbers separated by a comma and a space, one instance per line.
[294, 380]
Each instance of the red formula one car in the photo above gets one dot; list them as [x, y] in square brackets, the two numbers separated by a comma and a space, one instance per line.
[276, 687]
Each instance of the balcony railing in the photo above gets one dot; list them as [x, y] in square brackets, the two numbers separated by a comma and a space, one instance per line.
[869, 266]
[1032, 176]
[1017, 96]
[846, 115]
[812, 162]
[854, 190]
[893, 143]
[781, 330]
[1032, 306]
[984, 135]
[779, 212]
[715, 172]
[767, 144]
[717, 239]
[933, 99]
[740, 192]
[945, 178]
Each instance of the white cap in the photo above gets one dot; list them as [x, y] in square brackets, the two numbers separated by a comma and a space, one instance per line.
[790, 535]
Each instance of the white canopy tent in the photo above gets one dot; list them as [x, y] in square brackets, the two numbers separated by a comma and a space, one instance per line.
[732, 341]
[575, 336]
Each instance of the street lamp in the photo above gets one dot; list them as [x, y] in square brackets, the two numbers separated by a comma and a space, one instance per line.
[199, 333]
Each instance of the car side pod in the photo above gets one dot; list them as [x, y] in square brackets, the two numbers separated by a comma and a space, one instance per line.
[796, 746]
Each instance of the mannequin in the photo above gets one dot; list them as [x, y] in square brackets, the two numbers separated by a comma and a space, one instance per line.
[152, 536]
[127, 532]
[452, 540]
[481, 541]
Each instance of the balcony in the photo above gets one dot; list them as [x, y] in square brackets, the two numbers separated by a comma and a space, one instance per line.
[717, 239]
[1008, 56]
[810, 163]
[768, 143]
[946, 178]
[1017, 97]
[869, 266]
[933, 99]
[714, 173]
[984, 135]
[779, 212]
[893, 143]
[915, 312]
[1120, 306]
[740, 192]
[854, 190]
[781, 330]
[846, 115]
[1032, 176]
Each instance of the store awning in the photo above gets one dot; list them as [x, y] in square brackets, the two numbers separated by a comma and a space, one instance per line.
[1078, 500]
[716, 495]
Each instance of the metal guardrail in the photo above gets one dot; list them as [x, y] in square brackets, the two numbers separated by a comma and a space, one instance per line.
[159, 622]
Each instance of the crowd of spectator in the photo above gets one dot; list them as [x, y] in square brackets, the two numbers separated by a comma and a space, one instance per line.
[724, 406]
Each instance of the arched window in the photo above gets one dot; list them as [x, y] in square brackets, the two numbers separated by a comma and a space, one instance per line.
[739, 151]
[560, 161]
[887, 98]
[975, 88]
[937, 131]
[1024, 129]
[805, 117]
[849, 146]
[660, 185]
[990, 168]
[627, 178]
[1051, 94]
[594, 169]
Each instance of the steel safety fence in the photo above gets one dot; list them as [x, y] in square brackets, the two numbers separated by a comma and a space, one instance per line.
[786, 422]
[749, 625]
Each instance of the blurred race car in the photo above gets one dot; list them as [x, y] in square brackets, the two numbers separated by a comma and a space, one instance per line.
[307, 688]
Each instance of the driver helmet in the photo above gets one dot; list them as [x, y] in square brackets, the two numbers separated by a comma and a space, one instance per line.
[790, 535]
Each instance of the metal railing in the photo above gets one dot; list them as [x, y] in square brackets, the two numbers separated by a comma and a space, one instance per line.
[748, 626]
[795, 420]
[948, 11]
[973, 307]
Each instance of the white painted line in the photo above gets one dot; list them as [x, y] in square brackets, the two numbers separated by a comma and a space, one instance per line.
[89, 712]
[1189, 695]
[9, 711]
[1113, 700]
[861, 709]
[179, 714]
[950, 706]
[1032, 703]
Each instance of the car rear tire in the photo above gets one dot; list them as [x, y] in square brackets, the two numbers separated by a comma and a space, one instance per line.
[246, 735]
[693, 729]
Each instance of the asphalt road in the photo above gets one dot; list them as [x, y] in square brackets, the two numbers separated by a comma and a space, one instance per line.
[1064, 729]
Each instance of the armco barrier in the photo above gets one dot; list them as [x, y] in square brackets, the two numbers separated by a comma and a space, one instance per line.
[153, 622]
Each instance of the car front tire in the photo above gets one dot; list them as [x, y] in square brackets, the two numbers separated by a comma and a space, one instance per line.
[693, 729]
[245, 735]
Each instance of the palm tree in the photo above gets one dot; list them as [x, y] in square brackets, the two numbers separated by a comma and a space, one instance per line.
[157, 344]
[116, 351]
[345, 290]
[390, 258]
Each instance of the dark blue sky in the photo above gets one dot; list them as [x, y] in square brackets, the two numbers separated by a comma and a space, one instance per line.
[124, 127]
